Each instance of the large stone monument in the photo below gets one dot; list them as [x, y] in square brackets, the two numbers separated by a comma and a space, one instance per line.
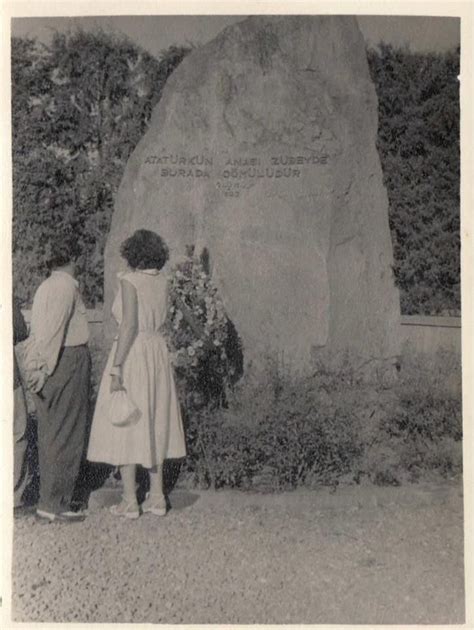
[262, 150]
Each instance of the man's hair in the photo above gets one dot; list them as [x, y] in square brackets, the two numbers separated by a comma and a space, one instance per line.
[63, 250]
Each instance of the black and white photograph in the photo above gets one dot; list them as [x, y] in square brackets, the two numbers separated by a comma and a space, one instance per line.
[235, 319]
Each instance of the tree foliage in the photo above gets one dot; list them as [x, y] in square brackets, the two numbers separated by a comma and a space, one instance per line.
[79, 107]
[418, 142]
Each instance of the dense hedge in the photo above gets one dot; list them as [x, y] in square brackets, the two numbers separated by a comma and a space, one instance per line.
[80, 105]
[419, 146]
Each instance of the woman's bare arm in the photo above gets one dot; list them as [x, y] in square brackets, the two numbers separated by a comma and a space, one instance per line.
[129, 325]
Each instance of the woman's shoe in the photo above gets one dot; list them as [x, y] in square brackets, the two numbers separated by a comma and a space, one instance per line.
[155, 505]
[128, 509]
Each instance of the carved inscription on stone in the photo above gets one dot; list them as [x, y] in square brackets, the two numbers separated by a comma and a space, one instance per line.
[233, 175]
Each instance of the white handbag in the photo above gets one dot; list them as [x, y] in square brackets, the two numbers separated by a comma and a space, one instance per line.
[122, 411]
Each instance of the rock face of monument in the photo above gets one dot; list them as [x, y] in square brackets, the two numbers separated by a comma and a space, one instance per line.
[262, 150]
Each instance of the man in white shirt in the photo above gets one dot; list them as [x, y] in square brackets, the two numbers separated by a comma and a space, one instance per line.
[58, 372]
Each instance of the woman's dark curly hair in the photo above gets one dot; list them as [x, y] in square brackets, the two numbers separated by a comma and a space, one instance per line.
[144, 250]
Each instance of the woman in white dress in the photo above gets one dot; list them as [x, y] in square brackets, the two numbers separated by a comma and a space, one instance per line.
[139, 363]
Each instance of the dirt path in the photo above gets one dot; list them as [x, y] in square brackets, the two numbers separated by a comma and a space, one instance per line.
[361, 555]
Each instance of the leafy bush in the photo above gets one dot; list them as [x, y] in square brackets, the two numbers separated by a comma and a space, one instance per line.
[280, 431]
[424, 428]
[273, 433]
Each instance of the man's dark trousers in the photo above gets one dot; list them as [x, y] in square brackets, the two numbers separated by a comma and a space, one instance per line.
[63, 407]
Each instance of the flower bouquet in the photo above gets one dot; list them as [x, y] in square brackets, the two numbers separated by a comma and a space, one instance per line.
[197, 331]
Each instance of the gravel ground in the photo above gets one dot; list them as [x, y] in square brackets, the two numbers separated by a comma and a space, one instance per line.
[360, 555]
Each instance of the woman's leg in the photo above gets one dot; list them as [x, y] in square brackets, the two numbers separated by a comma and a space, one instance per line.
[156, 502]
[156, 481]
[128, 474]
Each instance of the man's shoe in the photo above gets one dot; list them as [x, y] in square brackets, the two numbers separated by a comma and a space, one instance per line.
[62, 517]
[23, 510]
[45, 517]
[71, 517]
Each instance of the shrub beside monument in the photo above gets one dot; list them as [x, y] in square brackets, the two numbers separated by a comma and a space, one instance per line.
[328, 428]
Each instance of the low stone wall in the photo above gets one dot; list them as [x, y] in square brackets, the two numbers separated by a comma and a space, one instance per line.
[430, 335]
[420, 334]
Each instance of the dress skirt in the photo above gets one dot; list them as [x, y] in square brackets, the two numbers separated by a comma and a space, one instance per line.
[148, 378]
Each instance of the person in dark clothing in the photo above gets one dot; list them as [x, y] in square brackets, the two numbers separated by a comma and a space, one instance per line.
[20, 443]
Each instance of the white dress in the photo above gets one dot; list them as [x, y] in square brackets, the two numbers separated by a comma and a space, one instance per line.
[149, 382]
